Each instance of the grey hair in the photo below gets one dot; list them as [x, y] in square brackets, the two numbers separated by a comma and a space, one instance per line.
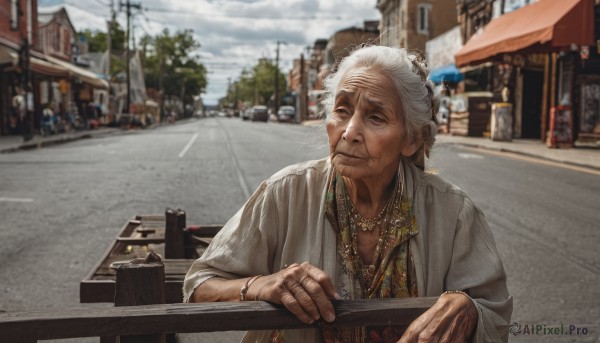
[408, 72]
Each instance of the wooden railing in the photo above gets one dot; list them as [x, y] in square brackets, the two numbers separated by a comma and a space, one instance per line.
[20, 327]
[141, 288]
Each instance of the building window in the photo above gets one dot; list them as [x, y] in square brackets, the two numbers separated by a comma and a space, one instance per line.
[423, 18]
[14, 15]
[61, 42]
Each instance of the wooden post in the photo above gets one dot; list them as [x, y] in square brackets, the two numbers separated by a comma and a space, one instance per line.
[545, 98]
[141, 282]
[174, 234]
[552, 82]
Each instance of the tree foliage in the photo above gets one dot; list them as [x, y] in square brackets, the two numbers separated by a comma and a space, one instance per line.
[98, 42]
[170, 65]
[256, 86]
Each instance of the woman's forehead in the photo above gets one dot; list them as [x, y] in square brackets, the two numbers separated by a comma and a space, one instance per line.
[369, 80]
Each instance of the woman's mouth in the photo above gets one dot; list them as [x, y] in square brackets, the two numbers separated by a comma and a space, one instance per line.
[346, 155]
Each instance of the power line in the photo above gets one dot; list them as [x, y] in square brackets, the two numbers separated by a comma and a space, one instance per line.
[245, 16]
[102, 3]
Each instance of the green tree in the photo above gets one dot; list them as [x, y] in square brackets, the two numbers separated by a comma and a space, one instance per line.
[170, 65]
[98, 42]
[256, 87]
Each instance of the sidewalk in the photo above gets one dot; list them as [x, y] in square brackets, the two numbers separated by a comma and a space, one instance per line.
[16, 143]
[582, 156]
[588, 157]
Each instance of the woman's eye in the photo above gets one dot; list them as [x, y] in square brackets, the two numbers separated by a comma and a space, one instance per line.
[341, 111]
[377, 119]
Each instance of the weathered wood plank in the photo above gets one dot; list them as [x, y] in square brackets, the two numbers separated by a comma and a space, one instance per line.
[141, 240]
[150, 217]
[205, 317]
[204, 230]
[141, 282]
[103, 291]
[174, 234]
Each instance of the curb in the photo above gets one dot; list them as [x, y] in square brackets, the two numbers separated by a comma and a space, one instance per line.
[523, 153]
[36, 144]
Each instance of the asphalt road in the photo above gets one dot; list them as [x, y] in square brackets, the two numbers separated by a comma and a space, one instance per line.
[60, 206]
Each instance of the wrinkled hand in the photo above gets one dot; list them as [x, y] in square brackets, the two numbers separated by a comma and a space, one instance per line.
[451, 319]
[303, 289]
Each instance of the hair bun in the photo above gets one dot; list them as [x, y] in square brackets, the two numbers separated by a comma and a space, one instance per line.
[419, 65]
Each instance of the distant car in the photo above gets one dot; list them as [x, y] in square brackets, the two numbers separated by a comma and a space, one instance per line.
[245, 114]
[286, 114]
[259, 113]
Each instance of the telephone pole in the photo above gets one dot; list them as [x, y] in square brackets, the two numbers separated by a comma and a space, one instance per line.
[276, 102]
[128, 5]
[29, 102]
[302, 96]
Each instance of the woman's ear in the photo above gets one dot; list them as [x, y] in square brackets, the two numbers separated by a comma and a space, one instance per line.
[411, 147]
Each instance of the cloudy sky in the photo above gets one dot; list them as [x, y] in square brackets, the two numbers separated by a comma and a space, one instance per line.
[233, 33]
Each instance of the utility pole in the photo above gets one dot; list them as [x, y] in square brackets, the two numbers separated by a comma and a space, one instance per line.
[228, 98]
[109, 35]
[276, 102]
[29, 103]
[302, 103]
[235, 98]
[128, 5]
[110, 24]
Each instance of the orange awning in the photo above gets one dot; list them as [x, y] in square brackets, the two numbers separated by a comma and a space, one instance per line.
[543, 26]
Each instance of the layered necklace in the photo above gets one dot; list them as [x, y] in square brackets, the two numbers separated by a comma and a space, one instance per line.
[356, 221]
[366, 224]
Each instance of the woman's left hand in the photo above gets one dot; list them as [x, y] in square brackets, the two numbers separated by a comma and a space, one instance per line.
[451, 319]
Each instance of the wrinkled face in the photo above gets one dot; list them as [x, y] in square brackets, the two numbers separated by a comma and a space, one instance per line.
[366, 128]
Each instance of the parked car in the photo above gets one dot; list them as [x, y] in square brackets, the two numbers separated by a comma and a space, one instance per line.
[259, 113]
[286, 114]
[245, 114]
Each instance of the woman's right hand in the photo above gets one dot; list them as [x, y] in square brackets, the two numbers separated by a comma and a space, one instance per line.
[303, 289]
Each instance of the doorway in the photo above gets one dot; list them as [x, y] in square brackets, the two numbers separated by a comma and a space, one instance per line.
[533, 85]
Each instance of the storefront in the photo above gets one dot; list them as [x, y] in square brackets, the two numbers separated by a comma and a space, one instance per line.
[543, 56]
[39, 92]
[89, 91]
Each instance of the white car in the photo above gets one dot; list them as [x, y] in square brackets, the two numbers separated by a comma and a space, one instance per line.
[286, 114]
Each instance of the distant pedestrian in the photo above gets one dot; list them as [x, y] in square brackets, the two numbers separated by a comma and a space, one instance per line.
[367, 222]
[17, 111]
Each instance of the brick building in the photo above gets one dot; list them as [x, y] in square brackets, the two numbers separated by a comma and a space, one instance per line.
[411, 23]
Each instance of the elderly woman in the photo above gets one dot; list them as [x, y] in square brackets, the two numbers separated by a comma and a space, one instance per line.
[367, 222]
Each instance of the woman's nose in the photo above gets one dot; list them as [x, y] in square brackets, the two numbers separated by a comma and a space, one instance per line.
[353, 131]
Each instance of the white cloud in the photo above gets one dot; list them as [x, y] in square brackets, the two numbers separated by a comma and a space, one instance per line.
[233, 33]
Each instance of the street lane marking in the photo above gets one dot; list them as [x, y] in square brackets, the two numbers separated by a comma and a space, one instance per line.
[187, 147]
[234, 160]
[16, 200]
[534, 160]
[470, 156]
